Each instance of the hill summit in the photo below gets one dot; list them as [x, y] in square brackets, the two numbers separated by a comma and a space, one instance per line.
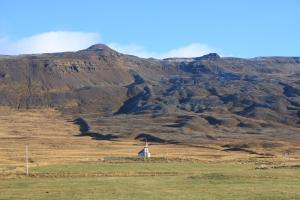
[180, 99]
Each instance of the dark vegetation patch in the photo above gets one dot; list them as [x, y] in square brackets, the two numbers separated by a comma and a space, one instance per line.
[83, 125]
[251, 78]
[243, 124]
[214, 176]
[150, 138]
[213, 121]
[271, 145]
[248, 110]
[138, 95]
[242, 150]
[210, 176]
[181, 121]
[213, 91]
[138, 79]
[228, 76]
[2, 75]
[98, 136]
[252, 132]
[73, 68]
[134, 104]
[104, 174]
[229, 98]
[290, 91]
[210, 137]
[265, 125]
[294, 103]
[242, 147]
[264, 167]
[286, 166]
[84, 129]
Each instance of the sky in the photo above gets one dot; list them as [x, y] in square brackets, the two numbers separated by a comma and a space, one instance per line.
[152, 28]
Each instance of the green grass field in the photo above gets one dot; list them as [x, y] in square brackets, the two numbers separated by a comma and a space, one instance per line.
[157, 179]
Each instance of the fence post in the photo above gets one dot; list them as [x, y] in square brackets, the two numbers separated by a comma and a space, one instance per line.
[26, 160]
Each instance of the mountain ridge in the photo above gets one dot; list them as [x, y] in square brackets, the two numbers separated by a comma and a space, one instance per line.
[197, 96]
[102, 46]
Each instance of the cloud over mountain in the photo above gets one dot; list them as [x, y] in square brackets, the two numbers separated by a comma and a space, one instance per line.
[48, 42]
[190, 50]
[60, 41]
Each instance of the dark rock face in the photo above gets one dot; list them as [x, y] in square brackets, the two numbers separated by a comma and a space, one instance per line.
[104, 82]
[213, 121]
[290, 91]
[211, 57]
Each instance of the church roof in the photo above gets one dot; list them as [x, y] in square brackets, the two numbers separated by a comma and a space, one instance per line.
[143, 150]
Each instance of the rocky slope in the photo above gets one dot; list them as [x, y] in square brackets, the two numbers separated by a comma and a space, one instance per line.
[177, 99]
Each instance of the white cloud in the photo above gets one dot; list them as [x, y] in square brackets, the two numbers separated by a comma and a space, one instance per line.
[191, 50]
[59, 41]
[133, 49]
[48, 42]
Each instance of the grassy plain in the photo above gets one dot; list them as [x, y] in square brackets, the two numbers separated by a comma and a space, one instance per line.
[155, 180]
[64, 165]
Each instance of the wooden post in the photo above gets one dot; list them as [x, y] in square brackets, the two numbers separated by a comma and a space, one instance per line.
[26, 160]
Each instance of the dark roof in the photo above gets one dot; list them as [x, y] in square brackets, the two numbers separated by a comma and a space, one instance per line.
[142, 150]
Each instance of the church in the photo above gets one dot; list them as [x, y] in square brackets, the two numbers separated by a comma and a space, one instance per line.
[145, 153]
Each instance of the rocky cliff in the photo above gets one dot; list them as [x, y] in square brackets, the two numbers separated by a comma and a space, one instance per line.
[174, 98]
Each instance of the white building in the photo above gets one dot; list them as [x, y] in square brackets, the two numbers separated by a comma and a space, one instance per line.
[145, 153]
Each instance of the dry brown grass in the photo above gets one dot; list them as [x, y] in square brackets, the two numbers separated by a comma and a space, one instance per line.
[54, 139]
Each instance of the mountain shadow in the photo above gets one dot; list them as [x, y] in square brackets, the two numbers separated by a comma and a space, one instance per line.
[85, 131]
[150, 138]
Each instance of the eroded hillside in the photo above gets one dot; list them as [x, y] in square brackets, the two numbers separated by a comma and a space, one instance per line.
[182, 100]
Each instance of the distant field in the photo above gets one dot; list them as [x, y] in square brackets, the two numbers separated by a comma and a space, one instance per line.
[155, 180]
[53, 138]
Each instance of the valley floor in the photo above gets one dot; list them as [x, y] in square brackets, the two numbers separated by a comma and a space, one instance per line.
[156, 179]
[66, 165]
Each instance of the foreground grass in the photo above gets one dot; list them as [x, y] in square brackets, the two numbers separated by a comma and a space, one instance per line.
[152, 180]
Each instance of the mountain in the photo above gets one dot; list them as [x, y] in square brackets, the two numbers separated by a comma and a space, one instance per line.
[174, 99]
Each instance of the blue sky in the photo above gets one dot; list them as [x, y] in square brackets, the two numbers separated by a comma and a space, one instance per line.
[157, 28]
